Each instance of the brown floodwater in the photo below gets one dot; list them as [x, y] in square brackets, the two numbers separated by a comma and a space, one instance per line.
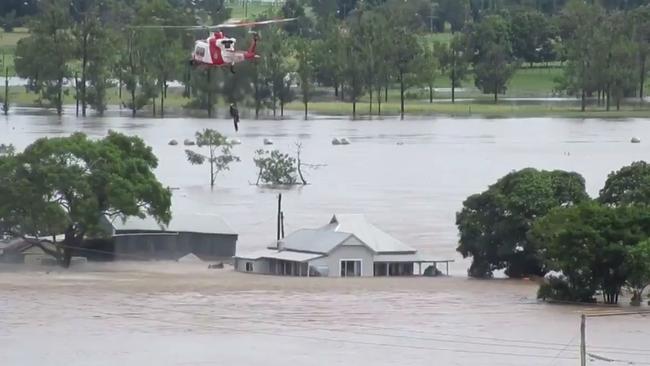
[408, 177]
[185, 314]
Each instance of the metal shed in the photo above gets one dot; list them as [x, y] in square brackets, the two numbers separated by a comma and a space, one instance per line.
[207, 236]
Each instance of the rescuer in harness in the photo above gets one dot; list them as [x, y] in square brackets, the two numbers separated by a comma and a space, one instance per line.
[234, 113]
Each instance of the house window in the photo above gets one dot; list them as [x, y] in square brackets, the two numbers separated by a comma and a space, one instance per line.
[351, 268]
[249, 267]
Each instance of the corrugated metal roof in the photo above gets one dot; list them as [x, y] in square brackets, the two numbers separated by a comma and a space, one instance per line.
[313, 240]
[192, 223]
[368, 233]
[285, 255]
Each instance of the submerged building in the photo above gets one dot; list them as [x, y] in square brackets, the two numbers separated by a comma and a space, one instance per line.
[348, 246]
[208, 237]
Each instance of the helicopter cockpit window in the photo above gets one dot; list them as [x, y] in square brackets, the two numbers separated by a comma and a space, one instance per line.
[227, 44]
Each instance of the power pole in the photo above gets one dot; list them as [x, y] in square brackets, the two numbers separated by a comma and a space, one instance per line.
[583, 318]
[583, 341]
[279, 216]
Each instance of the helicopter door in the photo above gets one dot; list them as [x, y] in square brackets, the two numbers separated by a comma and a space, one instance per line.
[202, 53]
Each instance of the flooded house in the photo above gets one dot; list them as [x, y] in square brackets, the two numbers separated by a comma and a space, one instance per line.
[347, 246]
[208, 237]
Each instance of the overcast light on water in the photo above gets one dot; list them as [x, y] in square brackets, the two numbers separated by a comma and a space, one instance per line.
[408, 177]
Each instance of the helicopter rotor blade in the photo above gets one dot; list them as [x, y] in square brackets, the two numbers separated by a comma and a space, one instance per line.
[245, 24]
[230, 24]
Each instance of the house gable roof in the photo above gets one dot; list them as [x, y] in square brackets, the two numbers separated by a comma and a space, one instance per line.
[313, 240]
[369, 234]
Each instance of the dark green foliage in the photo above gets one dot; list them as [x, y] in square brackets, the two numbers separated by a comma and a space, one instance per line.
[49, 36]
[68, 184]
[590, 243]
[494, 62]
[275, 167]
[494, 225]
[627, 186]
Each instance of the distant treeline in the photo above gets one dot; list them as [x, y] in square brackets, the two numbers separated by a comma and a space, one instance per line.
[358, 48]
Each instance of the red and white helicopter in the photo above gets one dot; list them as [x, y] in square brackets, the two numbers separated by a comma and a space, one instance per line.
[218, 50]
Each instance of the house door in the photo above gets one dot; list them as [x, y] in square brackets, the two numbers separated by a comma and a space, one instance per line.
[350, 268]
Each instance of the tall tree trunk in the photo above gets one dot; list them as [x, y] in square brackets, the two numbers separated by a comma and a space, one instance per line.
[642, 76]
[84, 63]
[162, 99]
[76, 94]
[598, 98]
[386, 91]
[618, 101]
[354, 108]
[401, 93]
[430, 93]
[153, 104]
[281, 109]
[211, 167]
[583, 101]
[370, 108]
[336, 90]
[496, 90]
[306, 102]
[607, 94]
[379, 100]
[59, 98]
[453, 85]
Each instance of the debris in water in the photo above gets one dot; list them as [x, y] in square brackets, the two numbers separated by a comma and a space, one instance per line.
[345, 141]
[268, 142]
[635, 140]
[188, 142]
[216, 265]
[173, 142]
[190, 258]
[336, 141]
[235, 141]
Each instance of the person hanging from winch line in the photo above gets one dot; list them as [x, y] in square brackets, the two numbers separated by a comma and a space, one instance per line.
[234, 113]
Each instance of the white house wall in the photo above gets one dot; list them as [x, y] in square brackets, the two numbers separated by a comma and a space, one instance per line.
[351, 249]
[259, 266]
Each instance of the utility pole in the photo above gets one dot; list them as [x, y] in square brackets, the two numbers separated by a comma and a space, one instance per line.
[583, 324]
[583, 341]
[279, 216]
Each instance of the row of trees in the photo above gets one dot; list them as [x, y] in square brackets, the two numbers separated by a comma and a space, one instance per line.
[359, 49]
[532, 222]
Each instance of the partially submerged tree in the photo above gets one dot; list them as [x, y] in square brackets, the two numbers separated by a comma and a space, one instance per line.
[593, 246]
[275, 167]
[453, 59]
[219, 162]
[69, 184]
[494, 224]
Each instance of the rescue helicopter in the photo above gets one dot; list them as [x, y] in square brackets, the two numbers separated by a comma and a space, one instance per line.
[218, 50]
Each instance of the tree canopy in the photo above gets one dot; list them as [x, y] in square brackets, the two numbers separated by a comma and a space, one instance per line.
[68, 184]
[493, 225]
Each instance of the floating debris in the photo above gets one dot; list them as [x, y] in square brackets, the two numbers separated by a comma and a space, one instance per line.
[188, 142]
[268, 142]
[336, 141]
[345, 141]
[635, 140]
[173, 142]
[235, 141]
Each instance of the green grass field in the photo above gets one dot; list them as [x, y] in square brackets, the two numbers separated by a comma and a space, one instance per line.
[241, 9]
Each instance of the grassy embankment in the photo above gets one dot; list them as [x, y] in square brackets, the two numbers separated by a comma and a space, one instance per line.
[527, 83]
